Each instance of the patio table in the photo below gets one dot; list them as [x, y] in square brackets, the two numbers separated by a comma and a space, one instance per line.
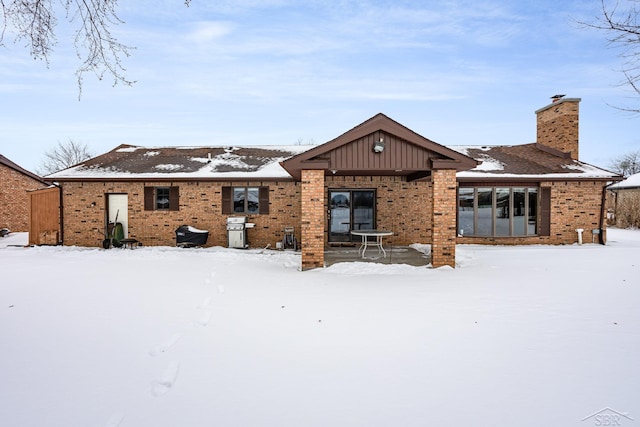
[366, 234]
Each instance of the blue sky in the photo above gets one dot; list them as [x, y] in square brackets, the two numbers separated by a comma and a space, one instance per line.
[275, 72]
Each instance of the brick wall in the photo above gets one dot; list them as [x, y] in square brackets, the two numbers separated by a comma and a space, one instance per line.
[313, 218]
[443, 247]
[200, 206]
[406, 208]
[401, 207]
[557, 126]
[14, 199]
[573, 205]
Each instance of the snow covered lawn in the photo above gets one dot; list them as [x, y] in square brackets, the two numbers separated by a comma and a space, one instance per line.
[515, 336]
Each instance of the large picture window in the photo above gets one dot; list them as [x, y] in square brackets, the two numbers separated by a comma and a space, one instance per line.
[498, 211]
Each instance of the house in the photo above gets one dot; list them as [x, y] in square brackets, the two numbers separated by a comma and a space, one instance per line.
[626, 201]
[15, 185]
[377, 175]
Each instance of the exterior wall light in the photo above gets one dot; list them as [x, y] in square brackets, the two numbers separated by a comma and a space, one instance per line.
[378, 147]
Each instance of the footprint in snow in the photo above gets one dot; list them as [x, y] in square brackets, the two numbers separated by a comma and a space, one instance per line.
[167, 381]
[204, 319]
[114, 420]
[207, 281]
[162, 348]
[205, 303]
[220, 289]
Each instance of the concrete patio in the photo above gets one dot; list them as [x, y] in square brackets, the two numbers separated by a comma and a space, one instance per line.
[395, 255]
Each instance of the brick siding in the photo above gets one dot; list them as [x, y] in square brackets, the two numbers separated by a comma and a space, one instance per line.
[200, 206]
[313, 215]
[557, 126]
[401, 207]
[14, 199]
[443, 247]
[406, 208]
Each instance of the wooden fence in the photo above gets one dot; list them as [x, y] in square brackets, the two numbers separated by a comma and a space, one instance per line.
[44, 217]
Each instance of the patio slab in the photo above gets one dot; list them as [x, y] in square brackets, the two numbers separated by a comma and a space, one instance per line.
[395, 255]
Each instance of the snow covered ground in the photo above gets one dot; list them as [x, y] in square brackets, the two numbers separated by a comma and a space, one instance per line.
[516, 336]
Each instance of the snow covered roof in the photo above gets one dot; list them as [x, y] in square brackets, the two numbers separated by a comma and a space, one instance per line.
[527, 161]
[134, 162]
[632, 181]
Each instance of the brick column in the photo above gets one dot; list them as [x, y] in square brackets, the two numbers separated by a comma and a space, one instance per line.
[443, 247]
[313, 218]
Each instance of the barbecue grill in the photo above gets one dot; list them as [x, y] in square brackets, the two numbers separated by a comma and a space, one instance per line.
[237, 231]
[188, 236]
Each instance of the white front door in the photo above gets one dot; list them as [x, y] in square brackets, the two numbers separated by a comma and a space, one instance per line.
[117, 205]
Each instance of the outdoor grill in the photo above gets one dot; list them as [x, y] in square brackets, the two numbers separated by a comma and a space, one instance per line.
[237, 231]
[188, 236]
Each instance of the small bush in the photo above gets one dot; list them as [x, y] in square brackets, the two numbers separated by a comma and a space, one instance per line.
[628, 209]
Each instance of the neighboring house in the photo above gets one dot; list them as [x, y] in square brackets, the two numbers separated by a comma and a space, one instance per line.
[378, 175]
[626, 202]
[15, 185]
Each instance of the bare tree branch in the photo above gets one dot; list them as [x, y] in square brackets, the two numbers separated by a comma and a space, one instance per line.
[62, 156]
[98, 50]
[627, 164]
[622, 26]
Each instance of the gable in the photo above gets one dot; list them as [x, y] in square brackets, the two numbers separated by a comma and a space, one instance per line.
[405, 153]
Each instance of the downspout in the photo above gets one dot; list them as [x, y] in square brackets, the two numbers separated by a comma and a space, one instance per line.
[61, 215]
[603, 211]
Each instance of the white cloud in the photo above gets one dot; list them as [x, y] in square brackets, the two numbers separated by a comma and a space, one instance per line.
[208, 31]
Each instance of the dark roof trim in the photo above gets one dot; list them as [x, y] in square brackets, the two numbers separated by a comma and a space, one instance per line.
[445, 164]
[8, 163]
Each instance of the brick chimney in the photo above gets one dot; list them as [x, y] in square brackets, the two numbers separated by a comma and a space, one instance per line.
[557, 125]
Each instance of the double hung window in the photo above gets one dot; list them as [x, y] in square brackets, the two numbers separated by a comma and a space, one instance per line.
[245, 200]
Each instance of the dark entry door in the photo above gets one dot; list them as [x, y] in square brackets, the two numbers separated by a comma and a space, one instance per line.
[350, 210]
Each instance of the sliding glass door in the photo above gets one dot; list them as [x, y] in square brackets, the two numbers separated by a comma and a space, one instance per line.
[350, 210]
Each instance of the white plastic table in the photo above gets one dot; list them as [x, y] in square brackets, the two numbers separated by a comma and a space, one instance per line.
[366, 234]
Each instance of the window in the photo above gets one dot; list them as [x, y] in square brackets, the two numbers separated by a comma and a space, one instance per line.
[161, 198]
[498, 211]
[245, 200]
